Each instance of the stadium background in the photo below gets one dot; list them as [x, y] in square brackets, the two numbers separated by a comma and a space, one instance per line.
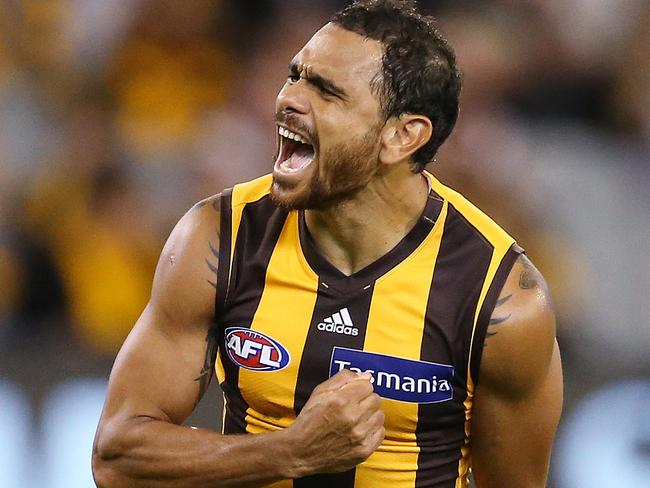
[117, 115]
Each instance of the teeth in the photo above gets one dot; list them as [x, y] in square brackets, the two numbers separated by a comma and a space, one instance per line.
[290, 135]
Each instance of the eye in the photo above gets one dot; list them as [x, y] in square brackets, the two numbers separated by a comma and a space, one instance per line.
[293, 78]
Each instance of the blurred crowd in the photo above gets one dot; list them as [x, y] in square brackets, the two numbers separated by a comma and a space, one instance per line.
[117, 115]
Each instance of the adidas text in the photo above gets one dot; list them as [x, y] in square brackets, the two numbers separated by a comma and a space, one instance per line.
[339, 323]
[338, 329]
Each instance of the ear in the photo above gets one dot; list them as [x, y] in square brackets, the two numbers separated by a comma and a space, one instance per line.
[402, 136]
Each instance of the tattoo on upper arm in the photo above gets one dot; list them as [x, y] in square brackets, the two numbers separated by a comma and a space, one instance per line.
[208, 362]
[213, 260]
[496, 320]
[528, 279]
[211, 339]
[213, 267]
[214, 201]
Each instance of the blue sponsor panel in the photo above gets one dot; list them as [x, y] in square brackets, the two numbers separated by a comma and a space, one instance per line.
[406, 380]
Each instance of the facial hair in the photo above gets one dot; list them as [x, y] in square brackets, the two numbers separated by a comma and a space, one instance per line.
[341, 172]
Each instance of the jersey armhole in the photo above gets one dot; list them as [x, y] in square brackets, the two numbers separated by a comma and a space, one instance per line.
[500, 277]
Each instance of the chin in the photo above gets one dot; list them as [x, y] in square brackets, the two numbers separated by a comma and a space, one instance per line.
[301, 197]
[289, 197]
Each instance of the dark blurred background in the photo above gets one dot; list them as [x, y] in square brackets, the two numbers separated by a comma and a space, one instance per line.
[117, 115]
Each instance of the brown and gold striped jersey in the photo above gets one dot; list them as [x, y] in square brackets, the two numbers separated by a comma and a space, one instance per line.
[416, 319]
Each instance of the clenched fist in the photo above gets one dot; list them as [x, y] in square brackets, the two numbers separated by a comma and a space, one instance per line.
[340, 425]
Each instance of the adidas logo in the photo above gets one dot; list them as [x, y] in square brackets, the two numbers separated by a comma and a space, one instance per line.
[339, 323]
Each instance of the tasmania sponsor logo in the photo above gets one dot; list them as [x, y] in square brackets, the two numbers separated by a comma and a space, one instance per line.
[253, 350]
[406, 380]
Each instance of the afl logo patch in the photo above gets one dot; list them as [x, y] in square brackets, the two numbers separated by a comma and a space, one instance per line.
[253, 350]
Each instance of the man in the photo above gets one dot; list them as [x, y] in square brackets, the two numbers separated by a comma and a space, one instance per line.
[347, 270]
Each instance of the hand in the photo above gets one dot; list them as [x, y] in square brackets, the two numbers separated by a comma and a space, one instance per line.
[339, 427]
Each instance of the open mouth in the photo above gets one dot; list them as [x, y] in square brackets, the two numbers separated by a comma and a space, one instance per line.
[295, 151]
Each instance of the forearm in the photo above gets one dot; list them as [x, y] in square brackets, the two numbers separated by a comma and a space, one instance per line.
[155, 453]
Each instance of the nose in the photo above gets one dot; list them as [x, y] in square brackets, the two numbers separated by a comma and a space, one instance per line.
[292, 99]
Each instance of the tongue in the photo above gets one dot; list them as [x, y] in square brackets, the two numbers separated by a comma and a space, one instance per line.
[301, 157]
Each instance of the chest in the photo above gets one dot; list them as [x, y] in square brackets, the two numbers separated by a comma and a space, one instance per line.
[301, 334]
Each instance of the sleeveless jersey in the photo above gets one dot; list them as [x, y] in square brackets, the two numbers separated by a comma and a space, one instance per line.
[416, 319]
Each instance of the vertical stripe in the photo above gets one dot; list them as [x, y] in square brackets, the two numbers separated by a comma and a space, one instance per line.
[500, 268]
[284, 313]
[483, 224]
[501, 242]
[395, 327]
[316, 356]
[242, 195]
[501, 263]
[462, 263]
[252, 253]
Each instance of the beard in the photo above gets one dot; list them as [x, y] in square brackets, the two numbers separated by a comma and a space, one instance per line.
[340, 173]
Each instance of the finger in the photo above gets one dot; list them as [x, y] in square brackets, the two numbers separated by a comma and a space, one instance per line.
[356, 390]
[368, 407]
[337, 381]
[373, 422]
[341, 379]
[376, 438]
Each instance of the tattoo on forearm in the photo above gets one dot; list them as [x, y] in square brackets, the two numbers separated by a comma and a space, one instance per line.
[208, 363]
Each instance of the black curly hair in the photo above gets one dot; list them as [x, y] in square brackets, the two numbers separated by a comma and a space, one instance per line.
[418, 73]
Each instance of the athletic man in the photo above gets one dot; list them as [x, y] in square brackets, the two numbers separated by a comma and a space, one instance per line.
[371, 327]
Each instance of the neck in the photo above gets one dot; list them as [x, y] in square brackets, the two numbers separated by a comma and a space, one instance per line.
[355, 233]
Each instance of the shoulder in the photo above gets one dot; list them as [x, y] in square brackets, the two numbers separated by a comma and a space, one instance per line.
[185, 278]
[520, 338]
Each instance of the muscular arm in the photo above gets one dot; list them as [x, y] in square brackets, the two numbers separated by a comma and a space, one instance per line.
[163, 369]
[519, 397]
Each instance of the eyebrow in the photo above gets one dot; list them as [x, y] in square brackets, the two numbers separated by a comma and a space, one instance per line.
[319, 81]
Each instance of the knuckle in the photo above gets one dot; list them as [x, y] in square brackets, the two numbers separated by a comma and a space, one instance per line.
[375, 401]
[366, 387]
[349, 419]
[364, 451]
[337, 401]
[345, 373]
[357, 435]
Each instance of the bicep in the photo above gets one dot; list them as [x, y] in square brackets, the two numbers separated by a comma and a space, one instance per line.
[512, 434]
[155, 373]
[165, 363]
[518, 399]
